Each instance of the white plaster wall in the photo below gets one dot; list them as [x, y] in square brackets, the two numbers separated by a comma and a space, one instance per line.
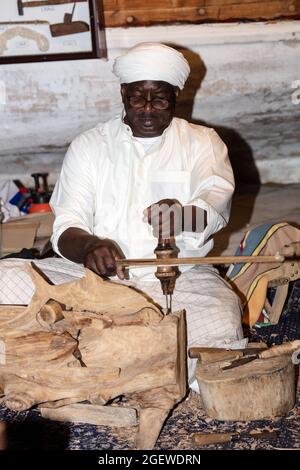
[246, 93]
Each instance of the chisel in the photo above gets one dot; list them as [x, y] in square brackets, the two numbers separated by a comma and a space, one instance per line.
[209, 355]
[204, 439]
[275, 351]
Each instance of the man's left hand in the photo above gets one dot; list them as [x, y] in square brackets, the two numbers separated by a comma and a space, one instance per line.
[165, 217]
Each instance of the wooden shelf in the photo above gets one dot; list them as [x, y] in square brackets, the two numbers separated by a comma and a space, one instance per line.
[141, 13]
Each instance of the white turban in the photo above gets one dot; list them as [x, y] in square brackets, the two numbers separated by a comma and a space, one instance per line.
[152, 61]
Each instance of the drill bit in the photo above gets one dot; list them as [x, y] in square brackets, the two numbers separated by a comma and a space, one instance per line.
[168, 303]
[167, 306]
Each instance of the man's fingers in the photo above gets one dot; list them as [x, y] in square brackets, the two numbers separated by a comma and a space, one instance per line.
[110, 265]
[101, 266]
[95, 262]
[90, 263]
[119, 269]
[102, 260]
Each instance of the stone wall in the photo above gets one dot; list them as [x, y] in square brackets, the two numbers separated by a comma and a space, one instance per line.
[241, 83]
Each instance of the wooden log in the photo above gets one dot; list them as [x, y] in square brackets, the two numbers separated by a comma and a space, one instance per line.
[50, 313]
[110, 340]
[150, 425]
[122, 346]
[25, 387]
[112, 416]
[39, 348]
[90, 293]
[261, 389]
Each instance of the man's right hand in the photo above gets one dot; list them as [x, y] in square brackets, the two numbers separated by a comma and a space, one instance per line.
[101, 258]
[97, 254]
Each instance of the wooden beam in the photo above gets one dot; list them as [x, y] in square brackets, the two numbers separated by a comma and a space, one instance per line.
[113, 416]
[136, 13]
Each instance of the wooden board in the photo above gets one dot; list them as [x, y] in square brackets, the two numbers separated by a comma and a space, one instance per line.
[112, 416]
[138, 13]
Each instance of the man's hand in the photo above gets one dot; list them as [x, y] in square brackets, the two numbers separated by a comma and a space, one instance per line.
[169, 218]
[97, 254]
[101, 258]
[165, 217]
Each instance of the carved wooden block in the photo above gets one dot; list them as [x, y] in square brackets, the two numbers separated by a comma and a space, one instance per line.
[94, 340]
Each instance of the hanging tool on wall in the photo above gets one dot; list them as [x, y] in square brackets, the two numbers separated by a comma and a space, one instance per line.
[167, 261]
[32, 22]
[22, 4]
[69, 26]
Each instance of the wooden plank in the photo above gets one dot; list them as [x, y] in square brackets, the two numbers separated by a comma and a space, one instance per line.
[164, 4]
[181, 354]
[137, 14]
[113, 416]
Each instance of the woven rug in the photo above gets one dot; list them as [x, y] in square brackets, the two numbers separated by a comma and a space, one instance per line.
[28, 430]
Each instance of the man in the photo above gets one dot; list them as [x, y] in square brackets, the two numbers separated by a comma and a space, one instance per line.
[119, 180]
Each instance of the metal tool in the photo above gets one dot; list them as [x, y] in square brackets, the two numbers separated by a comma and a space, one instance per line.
[167, 275]
[275, 351]
[34, 22]
[22, 4]
[203, 439]
[69, 26]
[210, 355]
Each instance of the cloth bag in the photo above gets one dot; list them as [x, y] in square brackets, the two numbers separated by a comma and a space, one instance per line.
[251, 280]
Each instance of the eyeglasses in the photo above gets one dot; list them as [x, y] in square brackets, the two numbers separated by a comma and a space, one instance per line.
[156, 103]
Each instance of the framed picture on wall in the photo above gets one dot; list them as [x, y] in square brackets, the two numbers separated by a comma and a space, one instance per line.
[43, 30]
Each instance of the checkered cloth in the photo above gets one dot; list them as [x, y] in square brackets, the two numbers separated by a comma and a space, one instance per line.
[16, 286]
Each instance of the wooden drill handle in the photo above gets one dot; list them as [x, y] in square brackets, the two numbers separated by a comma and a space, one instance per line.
[210, 355]
[281, 350]
[200, 260]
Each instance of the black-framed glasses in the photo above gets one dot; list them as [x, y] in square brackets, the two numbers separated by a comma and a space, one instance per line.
[156, 103]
